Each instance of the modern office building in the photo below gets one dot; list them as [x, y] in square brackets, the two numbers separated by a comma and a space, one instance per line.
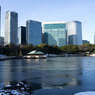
[74, 29]
[21, 35]
[0, 20]
[85, 41]
[11, 28]
[55, 33]
[1, 38]
[33, 32]
[94, 38]
[1, 41]
[62, 33]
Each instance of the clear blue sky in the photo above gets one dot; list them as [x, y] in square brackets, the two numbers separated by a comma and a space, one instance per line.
[53, 10]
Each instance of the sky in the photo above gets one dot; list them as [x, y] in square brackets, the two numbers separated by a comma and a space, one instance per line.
[52, 11]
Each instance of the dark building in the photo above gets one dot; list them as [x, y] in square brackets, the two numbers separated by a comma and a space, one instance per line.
[21, 35]
[85, 41]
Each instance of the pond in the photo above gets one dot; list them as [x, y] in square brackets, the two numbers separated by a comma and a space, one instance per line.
[51, 76]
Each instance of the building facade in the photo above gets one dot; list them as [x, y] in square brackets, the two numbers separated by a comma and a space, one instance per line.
[94, 38]
[85, 41]
[62, 33]
[74, 29]
[21, 35]
[11, 28]
[0, 20]
[33, 32]
[55, 33]
[1, 41]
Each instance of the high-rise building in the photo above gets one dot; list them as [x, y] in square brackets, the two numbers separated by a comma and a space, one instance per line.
[33, 32]
[0, 20]
[74, 30]
[11, 28]
[1, 41]
[55, 33]
[85, 41]
[21, 35]
[94, 38]
[1, 38]
[62, 33]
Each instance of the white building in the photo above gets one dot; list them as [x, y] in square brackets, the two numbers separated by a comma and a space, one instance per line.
[33, 32]
[11, 28]
[74, 32]
[0, 20]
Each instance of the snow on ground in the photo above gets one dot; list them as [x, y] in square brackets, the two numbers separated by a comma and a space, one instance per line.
[86, 93]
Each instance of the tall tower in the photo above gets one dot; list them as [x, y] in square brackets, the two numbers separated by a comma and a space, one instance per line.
[0, 20]
[94, 38]
[33, 32]
[74, 29]
[21, 35]
[11, 28]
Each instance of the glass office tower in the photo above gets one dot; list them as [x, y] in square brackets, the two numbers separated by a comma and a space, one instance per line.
[1, 41]
[22, 35]
[33, 32]
[11, 28]
[62, 33]
[55, 33]
[74, 29]
[0, 20]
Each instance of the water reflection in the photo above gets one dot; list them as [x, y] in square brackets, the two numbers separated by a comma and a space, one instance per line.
[59, 72]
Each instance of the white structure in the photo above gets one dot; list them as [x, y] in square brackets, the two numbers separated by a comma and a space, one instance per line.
[33, 32]
[86, 93]
[0, 20]
[74, 30]
[94, 38]
[11, 28]
[70, 32]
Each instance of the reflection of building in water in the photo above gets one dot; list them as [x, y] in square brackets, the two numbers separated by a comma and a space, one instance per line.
[1, 85]
[7, 83]
[74, 82]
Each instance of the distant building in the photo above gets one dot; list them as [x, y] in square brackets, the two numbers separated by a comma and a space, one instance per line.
[74, 29]
[33, 32]
[85, 41]
[94, 39]
[11, 27]
[0, 20]
[55, 33]
[2, 41]
[62, 33]
[21, 35]
[35, 54]
[1, 38]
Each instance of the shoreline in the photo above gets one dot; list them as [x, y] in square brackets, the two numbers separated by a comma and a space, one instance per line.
[16, 57]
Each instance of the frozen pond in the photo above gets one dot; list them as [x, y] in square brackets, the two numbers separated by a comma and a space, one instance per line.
[54, 76]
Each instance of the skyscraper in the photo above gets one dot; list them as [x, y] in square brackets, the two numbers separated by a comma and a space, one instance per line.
[0, 20]
[33, 32]
[55, 33]
[1, 41]
[74, 29]
[62, 33]
[11, 27]
[21, 35]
